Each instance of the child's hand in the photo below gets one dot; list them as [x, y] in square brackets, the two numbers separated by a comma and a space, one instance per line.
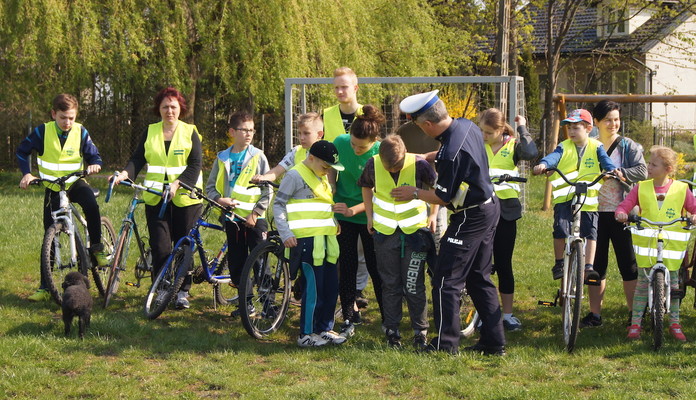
[692, 219]
[26, 180]
[342, 208]
[370, 229]
[618, 174]
[93, 169]
[291, 242]
[251, 220]
[227, 202]
[521, 121]
[258, 178]
[539, 169]
[621, 217]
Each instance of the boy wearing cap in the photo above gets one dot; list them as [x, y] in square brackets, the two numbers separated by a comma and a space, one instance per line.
[306, 225]
[580, 158]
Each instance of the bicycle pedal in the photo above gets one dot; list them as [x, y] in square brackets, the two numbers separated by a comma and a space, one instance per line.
[592, 282]
[133, 284]
[547, 303]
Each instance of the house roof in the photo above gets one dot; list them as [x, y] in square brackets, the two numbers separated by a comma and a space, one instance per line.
[582, 35]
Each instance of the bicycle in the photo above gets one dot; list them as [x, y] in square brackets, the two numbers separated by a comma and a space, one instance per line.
[265, 284]
[129, 226]
[570, 293]
[64, 234]
[179, 263]
[659, 289]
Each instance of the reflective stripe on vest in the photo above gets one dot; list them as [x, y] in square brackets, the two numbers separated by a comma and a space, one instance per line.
[589, 169]
[333, 123]
[675, 238]
[388, 214]
[503, 163]
[57, 161]
[300, 154]
[312, 217]
[166, 166]
[244, 196]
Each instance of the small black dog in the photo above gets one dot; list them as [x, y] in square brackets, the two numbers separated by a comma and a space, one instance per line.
[77, 302]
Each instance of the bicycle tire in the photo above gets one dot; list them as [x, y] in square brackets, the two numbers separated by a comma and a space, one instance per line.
[265, 276]
[468, 314]
[54, 268]
[225, 293]
[573, 297]
[657, 313]
[168, 282]
[118, 264]
[101, 274]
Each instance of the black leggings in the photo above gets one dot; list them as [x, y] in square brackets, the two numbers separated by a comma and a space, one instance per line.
[610, 229]
[348, 265]
[503, 247]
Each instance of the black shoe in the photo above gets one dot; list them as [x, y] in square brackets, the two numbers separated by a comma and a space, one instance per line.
[432, 348]
[420, 341]
[393, 338]
[360, 300]
[357, 318]
[590, 321]
[486, 350]
[557, 271]
[591, 276]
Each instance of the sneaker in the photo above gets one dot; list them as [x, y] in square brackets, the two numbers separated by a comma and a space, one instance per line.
[512, 324]
[99, 255]
[312, 340]
[393, 338]
[486, 350]
[182, 302]
[676, 331]
[347, 329]
[591, 276]
[236, 313]
[420, 341]
[357, 318]
[634, 332]
[332, 337]
[360, 300]
[557, 271]
[40, 295]
[590, 321]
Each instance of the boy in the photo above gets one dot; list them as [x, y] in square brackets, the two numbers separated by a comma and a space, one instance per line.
[304, 218]
[579, 158]
[310, 128]
[228, 185]
[64, 146]
[400, 231]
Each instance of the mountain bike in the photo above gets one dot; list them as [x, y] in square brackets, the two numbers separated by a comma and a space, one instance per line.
[659, 289]
[63, 249]
[571, 292]
[129, 227]
[179, 264]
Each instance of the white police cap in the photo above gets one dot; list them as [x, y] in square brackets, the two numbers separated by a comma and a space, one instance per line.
[418, 103]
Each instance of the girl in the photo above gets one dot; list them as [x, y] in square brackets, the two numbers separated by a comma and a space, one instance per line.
[656, 197]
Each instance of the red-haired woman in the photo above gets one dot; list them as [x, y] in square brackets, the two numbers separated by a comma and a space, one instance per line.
[172, 150]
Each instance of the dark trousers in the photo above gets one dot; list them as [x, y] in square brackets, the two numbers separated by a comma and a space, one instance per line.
[240, 241]
[320, 293]
[609, 229]
[176, 223]
[503, 247]
[465, 257]
[348, 265]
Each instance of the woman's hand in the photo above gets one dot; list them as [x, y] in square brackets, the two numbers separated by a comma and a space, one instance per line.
[173, 187]
[342, 208]
[121, 176]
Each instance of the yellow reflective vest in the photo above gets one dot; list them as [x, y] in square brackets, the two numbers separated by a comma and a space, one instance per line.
[503, 163]
[675, 238]
[165, 166]
[57, 161]
[387, 213]
[587, 171]
[243, 195]
[333, 123]
[300, 154]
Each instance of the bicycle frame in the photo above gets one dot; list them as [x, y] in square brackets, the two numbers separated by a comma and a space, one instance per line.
[573, 238]
[659, 266]
[67, 214]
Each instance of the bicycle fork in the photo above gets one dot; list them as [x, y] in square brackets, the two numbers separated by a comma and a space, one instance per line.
[659, 265]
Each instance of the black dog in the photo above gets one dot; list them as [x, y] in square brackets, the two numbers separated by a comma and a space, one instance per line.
[77, 302]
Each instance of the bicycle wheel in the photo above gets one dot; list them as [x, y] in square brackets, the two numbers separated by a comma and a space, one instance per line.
[572, 297]
[657, 313]
[265, 289]
[101, 274]
[56, 259]
[468, 314]
[168, 282]
[118, 264]
[225, 293]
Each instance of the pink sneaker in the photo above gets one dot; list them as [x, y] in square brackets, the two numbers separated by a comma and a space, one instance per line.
[676, 331]
[634, 332]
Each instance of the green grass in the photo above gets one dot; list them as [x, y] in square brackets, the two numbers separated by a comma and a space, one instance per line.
[202, 353]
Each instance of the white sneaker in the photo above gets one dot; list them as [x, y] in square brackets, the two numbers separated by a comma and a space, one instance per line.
[182, 302]
[332, 337]
[312, 340]
[347, 329]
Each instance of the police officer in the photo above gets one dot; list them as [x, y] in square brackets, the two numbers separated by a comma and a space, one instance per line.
[465, 257]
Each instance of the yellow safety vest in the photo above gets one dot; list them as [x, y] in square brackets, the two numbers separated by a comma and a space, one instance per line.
[314, 217]
[503, 163]
[388, 214]
[675, 238]
[57, 161]
[300, 154]
[589, 169]
[165, 167]
[244, 196]
[333, 123]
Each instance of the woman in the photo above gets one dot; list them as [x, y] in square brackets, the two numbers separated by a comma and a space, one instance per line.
[172, 150]
[505, 150]
[628, 156]
[354, 150]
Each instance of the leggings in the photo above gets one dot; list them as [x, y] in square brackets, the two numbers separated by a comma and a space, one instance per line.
[640, 299]
[503, 247]
[608, 229]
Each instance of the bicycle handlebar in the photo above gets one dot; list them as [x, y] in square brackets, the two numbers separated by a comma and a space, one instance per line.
[60, 181]
[128, 182]
[637, 219]
[507, 178]
[263, 183]
[197, 193]
[597, 179]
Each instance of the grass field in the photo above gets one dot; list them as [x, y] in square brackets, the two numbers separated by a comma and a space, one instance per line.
[203, 353]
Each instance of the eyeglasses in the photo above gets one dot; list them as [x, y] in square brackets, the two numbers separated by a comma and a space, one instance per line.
[245, 130]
